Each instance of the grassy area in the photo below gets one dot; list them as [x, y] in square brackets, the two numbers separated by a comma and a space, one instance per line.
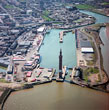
[8, 6]
[58, 23]
[106, 3]
[99, 78]
[3, 67]
[22, 0]
[89, 71]
[90, 63]
[92, 70]
[90, 8]
[79, 20]
[85, 6]
[3, 81]
[46, 13]
[86, 77]
[47, 18]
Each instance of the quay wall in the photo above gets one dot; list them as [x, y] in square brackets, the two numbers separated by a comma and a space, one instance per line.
[4, 96]
[93, 87]
[8, 91]
[74, 26]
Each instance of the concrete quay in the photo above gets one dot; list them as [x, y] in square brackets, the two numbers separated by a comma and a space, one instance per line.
[41, 75]
[63, 75]
[62, 33]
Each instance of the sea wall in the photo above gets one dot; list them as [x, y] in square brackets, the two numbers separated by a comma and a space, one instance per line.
[4, 96]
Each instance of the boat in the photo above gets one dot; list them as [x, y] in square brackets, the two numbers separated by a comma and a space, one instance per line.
[73, 31]
[82, 85]
[48, 31]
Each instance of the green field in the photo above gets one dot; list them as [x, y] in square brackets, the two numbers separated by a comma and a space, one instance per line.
[89, 71]
[85, 7]
[22, 0]
[46, 13]
[106, 3]
[47, 18]
[3, 81]
[3, 67]
[8, 6]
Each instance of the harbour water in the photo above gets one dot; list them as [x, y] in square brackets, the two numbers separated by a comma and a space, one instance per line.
[2, 70]
[59, 96]
[51, 48]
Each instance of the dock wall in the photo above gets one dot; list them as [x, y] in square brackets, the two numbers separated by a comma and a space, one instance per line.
[4, 96]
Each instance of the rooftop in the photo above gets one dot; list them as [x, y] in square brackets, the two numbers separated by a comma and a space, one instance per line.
[41, 29]
[85, 44]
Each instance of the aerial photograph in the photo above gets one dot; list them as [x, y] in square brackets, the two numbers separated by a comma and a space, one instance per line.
[54, 54]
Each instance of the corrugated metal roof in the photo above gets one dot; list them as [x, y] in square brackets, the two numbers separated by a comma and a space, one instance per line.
[85, 43]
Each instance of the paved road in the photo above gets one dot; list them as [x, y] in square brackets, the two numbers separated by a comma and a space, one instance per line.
[12, 18]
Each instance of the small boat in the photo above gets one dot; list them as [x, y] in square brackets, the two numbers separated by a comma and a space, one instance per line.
[82, 85]
[73, 31]
[48, 31]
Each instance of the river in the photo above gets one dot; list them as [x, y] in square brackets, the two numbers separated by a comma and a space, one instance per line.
[99, 18]
[105, 49]
[59, 96]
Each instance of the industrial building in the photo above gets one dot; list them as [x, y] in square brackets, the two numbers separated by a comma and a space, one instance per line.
[86, 47]
[41, 29]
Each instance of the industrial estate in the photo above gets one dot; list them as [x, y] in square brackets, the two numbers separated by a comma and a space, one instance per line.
[23, 28]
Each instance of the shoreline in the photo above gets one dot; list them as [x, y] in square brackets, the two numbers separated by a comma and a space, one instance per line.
[29, 86]
[102, 67]
[4, 97]
[105, 79]
[51, 81]
[3, 67]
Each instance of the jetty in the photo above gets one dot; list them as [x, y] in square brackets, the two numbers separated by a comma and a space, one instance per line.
[61, 36]
[75, 78]
[62, 33]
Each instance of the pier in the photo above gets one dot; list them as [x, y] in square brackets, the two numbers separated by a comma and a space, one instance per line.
[62, 33]
[75, 79]
[61, 36]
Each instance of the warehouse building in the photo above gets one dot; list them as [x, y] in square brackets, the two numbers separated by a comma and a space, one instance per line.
[86, 47]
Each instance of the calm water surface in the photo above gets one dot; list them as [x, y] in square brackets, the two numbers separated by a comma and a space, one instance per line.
[2, 70]
[51, 48]
[99, 18]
